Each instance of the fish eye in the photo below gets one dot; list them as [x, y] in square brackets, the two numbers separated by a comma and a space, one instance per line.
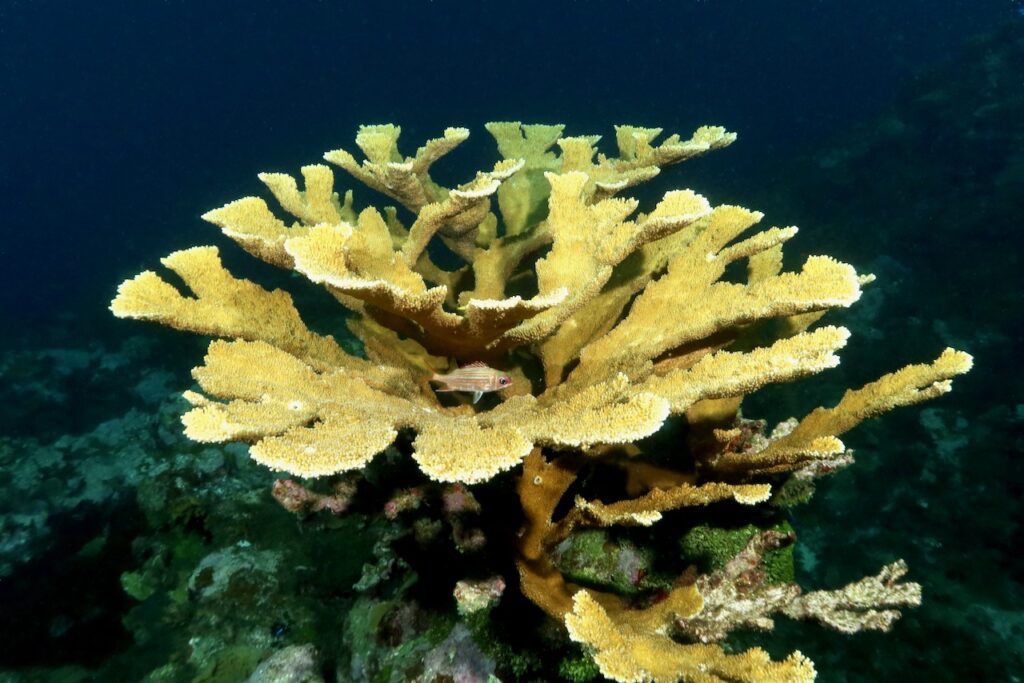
[503, 381]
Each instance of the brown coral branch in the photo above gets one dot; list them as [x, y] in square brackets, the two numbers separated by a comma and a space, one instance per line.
[540, 487]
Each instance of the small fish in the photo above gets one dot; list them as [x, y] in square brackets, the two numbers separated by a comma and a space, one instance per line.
[475, 377]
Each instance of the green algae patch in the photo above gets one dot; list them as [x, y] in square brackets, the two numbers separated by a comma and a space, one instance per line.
[580, 669]
[138, 586]
[388, 639]
[711, 548]
[597, 558]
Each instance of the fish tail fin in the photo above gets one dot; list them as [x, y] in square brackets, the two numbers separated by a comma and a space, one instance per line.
[440, 378]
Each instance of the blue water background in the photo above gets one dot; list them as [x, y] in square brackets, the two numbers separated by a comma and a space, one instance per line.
[122, 122]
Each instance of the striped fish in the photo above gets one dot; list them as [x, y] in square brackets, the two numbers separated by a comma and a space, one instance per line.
[475, 377]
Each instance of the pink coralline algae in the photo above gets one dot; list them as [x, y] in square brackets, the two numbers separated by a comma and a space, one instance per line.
[403, 500]
[297, 499]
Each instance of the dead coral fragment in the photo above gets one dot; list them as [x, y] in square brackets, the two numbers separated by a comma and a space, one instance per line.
[871, 604]
[740, 595]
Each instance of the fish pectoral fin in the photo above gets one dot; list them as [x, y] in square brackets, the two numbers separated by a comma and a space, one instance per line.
[477, 395]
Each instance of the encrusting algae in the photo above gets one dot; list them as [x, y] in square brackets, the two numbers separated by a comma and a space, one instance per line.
[604, 320]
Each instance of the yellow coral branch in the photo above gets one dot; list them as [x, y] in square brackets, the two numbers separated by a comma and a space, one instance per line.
[404, 179]
[646, 509]
[726, 373]
[814, 436]
[225, 306]
[632, 647]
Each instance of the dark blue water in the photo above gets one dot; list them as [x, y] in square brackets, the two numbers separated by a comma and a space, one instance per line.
[892, 133]
[122, 122]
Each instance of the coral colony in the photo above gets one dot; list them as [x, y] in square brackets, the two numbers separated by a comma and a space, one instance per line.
[610, 324]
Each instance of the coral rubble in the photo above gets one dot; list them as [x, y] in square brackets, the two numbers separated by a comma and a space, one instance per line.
[615, 325]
